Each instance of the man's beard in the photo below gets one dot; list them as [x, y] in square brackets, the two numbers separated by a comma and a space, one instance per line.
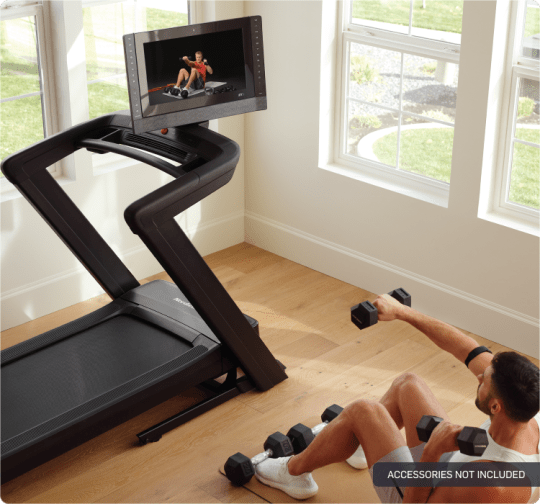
[483, 406]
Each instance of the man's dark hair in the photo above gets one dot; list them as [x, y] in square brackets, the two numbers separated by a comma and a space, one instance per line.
[515, 381]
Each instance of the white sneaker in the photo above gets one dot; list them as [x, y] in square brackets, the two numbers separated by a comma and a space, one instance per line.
[275, 473]
[358, 459]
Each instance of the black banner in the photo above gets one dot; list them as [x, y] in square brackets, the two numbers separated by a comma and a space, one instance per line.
[453, 474]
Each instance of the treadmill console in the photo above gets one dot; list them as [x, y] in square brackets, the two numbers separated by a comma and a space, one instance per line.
[224, 57]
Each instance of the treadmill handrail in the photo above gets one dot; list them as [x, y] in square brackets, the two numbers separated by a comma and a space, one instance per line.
[124, 150]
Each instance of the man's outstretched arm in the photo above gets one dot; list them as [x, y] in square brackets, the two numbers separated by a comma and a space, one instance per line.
[442, 334]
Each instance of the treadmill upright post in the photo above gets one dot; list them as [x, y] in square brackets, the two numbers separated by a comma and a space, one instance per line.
[152, 218]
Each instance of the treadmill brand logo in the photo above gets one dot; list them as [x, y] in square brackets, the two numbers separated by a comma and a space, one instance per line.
[178, 300]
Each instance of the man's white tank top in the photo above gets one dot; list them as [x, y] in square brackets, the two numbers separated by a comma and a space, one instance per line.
[498, 453]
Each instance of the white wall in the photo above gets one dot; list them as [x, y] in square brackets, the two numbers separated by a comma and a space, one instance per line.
[475, 274]
[39, 275]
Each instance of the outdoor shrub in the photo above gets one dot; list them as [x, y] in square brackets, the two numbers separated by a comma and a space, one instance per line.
[525, 106]
[429, 68]
[365, 121]
[362, 70]
[438, 114]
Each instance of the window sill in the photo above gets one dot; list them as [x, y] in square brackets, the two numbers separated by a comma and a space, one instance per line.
[414, 186]
[509, 219]
[9, 192]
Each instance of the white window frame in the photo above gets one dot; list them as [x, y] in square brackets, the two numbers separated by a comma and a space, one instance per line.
[62, 67]
[26, 8]
[516, 67]
[411, 184]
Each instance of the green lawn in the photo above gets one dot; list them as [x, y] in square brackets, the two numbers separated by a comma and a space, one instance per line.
[428, 152]
[442, 15]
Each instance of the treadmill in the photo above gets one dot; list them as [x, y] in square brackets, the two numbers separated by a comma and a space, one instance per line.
[152, 341]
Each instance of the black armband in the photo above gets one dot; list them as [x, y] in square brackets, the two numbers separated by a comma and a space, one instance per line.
[475, 352]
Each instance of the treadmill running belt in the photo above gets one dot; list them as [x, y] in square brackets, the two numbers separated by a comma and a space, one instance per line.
[56, 379]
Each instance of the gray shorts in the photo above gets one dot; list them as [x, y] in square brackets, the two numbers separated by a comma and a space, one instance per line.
[401, 454]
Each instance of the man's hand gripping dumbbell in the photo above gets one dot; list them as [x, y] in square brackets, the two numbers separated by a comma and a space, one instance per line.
[471, 441]
[365, 314]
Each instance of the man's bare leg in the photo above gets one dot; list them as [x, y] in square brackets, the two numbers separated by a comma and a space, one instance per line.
[182, 75]
[194, 75]
[407, 400]
[363, 422]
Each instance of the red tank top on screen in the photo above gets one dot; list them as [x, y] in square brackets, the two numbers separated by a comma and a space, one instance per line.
[201, 69]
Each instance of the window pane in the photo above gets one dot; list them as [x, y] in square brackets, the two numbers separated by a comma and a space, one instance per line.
[104, 26]
[525, 176]
[426, 148]
[393, 16]
[527, 113]
[438, 20]
[16, 134]
[374, 75]
[19, 76]
[366, 125]
[430, 87]
[531, 34]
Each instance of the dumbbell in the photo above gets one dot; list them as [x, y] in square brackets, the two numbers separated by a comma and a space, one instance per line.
[184, 93]
[471, 440]
[301, 436]
[239, 469]
[175, 91]
[365, 314]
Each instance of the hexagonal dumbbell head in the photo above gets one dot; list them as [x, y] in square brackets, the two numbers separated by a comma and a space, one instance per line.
[279, 444]
[239, 469]
[402, 296]
[425, 426]
[301, 436]
[472, 441]
[331, 412]
[364, 315]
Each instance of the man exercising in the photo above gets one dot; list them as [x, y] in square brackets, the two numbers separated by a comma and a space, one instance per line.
[197, 78]
[367, 432]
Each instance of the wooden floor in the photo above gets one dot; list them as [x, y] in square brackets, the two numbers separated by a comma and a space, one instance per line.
[304, 319]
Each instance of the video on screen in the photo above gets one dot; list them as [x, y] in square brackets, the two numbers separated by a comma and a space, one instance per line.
[195, 68]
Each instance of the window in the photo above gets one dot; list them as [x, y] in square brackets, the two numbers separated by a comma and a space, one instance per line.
[104, 26]
[42, 62]
[400, 68]
[23, 85]
[517, 191]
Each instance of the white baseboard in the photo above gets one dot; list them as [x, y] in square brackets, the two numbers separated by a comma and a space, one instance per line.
[480, 316]
[50, 294]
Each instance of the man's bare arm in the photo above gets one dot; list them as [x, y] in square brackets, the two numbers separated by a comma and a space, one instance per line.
[442, 334]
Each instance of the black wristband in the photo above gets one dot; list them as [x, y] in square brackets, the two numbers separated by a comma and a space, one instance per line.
[475, 352]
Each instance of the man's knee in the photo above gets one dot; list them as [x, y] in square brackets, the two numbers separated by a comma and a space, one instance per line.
[362, 409]
[407, 380]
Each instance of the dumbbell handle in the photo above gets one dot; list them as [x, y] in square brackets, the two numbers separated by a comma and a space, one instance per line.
[318, 428]
[261, 457]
